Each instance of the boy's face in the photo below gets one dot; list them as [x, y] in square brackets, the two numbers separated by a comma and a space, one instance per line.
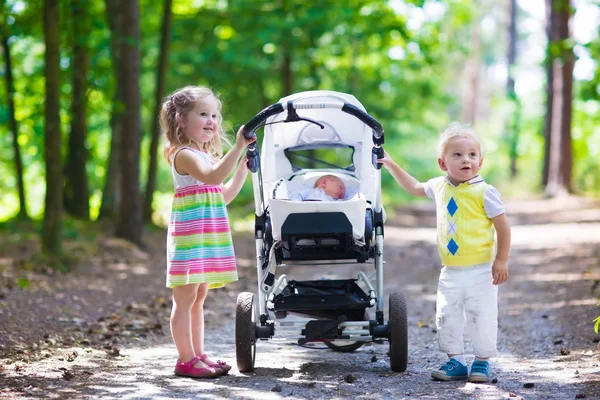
[462, 159]
[333, 187]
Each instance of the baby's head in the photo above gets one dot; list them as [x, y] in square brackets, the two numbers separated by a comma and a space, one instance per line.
[181, 110]
[331, 186]
[460, 152]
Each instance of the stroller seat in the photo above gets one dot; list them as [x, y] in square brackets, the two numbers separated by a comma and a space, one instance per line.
[354, 205]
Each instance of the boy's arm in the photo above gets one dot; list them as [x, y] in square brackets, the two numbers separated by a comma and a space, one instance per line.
[408, 183]
[500, 266]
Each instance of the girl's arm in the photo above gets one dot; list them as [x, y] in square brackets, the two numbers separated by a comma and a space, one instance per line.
[408, 183]
[188, 162]
[234, 185]
[500, 266]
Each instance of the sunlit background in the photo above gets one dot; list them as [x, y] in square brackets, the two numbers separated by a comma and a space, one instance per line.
[415, 65]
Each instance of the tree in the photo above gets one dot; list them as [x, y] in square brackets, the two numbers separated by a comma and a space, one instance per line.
[550, 16]
[51, 235]
[111, 192]
[76, 182]
[160, 92]
[129, 220]
[14, 127]
[471, 74]
[560, 158]
[513, 121]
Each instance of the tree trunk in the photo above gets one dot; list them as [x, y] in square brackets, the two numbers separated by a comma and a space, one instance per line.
[471, 74]
[14, 128]
[550, 16]
[160, 92]
[514, 117]
[111, 194]
[129, 221]
[560, 159]
[286, 71]
[77, 194]
[568, 61]
[52, 229]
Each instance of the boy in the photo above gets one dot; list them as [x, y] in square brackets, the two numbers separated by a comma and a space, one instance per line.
[468, 210]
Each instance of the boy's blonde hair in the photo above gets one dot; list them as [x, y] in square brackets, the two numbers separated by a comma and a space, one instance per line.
[456, 130]
[175, 109]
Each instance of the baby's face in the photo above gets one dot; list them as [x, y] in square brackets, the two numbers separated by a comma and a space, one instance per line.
[334, 188]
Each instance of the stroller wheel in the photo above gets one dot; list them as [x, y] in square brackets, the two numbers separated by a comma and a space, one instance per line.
[398, 332]
[347, 346]
[245, 332]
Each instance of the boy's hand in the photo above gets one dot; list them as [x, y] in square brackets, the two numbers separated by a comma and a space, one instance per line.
[386, 160]
[500, 272]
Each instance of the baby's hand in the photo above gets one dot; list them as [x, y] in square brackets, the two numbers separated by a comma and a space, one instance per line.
[500, 272]
[240, 139]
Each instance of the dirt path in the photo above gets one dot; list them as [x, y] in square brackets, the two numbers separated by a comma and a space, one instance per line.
[547, 347]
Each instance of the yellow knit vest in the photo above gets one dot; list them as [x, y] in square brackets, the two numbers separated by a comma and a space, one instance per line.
[465, 233]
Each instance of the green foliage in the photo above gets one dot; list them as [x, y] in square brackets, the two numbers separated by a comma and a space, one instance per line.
[402, 60]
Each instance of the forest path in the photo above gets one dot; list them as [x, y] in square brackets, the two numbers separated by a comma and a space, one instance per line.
[547, 347]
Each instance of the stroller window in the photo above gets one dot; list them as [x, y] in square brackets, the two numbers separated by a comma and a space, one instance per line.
[322, 157]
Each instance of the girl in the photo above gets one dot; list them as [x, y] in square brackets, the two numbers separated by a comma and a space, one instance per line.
[199, 246]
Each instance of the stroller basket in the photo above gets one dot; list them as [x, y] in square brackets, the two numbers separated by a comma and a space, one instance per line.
[323, 298]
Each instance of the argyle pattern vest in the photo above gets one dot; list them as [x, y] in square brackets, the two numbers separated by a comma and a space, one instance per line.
[465, 233]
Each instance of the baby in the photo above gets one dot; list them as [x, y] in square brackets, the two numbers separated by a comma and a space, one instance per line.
[327, 188]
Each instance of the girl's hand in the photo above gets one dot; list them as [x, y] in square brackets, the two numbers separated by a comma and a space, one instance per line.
[500, 272]
[240, 139]
[243, 167]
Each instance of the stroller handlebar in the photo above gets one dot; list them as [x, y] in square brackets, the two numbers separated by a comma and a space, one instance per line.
[367, 119]
[277, 108]
[261, 117]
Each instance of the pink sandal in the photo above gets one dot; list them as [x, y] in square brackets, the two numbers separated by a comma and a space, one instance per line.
[188, 369]
[222, 365]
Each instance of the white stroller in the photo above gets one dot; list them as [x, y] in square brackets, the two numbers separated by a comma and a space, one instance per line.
[307, 135]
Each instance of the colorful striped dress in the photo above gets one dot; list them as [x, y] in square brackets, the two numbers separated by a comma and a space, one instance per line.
[199, 244]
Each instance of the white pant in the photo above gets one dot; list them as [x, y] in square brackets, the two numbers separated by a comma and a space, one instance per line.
[467, 293]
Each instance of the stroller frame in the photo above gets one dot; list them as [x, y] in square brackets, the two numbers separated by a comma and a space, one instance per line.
[336, 308]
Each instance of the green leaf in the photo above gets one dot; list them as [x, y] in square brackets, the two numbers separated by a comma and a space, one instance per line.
[24, 283]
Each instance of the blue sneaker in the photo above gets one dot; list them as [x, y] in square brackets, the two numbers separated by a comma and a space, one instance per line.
[453, 370]
[480, 371]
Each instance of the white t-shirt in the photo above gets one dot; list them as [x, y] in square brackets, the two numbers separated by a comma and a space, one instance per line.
[492, 204]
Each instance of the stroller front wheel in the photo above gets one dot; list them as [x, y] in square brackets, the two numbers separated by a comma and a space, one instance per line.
[245, 332]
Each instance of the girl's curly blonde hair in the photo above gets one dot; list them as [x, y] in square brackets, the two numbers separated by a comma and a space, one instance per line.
[175, 109]
[455, 130]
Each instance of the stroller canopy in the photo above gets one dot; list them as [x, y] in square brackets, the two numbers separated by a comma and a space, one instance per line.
[339, 129]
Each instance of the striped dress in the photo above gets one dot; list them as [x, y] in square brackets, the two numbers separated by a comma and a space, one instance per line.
[199, 244]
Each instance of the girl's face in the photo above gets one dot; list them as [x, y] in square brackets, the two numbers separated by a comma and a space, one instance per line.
[201, 123]
[462, 159]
